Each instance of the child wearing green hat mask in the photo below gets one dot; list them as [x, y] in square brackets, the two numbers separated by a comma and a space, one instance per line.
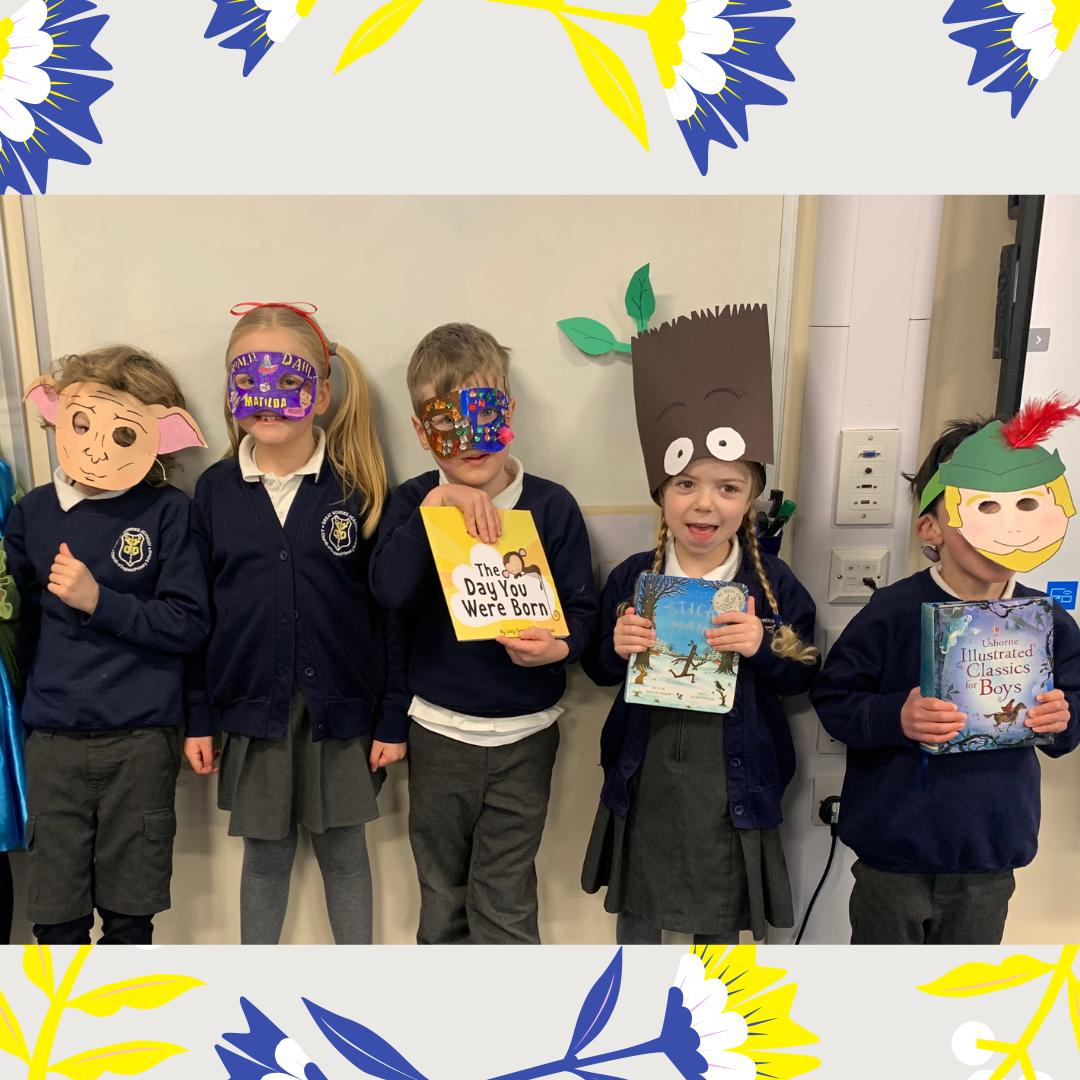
[938, 837]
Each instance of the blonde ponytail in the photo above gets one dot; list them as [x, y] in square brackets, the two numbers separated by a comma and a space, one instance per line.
[786, 642]
[352, 444]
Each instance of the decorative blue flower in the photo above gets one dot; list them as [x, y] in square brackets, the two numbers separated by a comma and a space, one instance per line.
[710, 88]
[698, 1034]
[276, 1056]
[261, 25]
[1023, 37]
[42, 55]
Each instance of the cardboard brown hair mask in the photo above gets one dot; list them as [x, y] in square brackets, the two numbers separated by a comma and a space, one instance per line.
[108, 439]
[703, 388]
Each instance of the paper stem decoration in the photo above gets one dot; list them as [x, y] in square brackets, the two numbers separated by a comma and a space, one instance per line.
[594, 338]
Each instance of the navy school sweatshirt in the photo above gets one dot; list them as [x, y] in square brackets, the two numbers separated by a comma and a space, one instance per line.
[478, 678]
[122, 666]
[903, 809]
[760, 755]
[291, 603]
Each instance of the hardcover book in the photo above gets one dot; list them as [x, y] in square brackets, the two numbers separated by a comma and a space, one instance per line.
[493, 590]
[681, 671]
[990, 658]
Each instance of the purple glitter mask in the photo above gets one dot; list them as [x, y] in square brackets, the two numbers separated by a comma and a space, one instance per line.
[271, 382]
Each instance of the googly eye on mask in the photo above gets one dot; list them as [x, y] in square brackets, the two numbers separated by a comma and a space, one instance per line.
[473, 419]
[275, 382]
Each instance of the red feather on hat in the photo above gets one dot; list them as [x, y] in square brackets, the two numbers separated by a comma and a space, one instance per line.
[1038, 419]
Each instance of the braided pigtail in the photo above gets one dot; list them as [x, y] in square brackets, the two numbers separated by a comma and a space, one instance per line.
[786, 642]
[658, 561]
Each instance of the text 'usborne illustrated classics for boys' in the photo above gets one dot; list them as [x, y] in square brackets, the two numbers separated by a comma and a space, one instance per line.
[990, 659]
[681, 671]
[493, 590]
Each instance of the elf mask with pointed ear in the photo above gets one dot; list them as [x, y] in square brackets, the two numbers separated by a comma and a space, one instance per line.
[108, 439]
[1005, 494]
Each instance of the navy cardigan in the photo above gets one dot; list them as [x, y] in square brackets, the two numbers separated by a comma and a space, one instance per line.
[908, 811]
[478, 678]
[291, 602]
[757, 740]
[122, 666]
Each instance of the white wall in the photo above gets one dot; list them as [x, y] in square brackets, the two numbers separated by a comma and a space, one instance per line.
[162, 272]
[874, 270]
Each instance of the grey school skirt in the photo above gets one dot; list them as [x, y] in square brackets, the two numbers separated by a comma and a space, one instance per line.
[270, 785]
[676, 859]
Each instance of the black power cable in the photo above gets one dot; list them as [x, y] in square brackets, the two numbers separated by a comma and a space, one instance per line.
[829, 812]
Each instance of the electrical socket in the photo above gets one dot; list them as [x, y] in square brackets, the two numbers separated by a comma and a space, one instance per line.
[826, 744]
[824, 786]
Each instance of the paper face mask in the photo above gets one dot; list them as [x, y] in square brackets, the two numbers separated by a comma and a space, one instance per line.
[107, 439]
[271, 382]
[703, 387]
[1005, 494]
[473, 419]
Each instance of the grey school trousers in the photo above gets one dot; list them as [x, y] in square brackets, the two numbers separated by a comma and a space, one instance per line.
[476, 815]
[888, 908]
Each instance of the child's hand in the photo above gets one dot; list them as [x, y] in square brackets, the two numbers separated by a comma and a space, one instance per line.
[534, 647]
[384, 753]
[481, 517]
[633, 634]
[202, 755]
[930, 720]
[72, 582]
[1051, 714]
[742, 631]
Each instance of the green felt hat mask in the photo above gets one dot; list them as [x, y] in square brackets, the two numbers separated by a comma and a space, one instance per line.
[1005, 493]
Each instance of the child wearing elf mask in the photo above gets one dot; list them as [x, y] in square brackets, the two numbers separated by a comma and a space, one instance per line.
[484, 735]
[297, 669]
[686, 837]
[113, 595]
[938, 837]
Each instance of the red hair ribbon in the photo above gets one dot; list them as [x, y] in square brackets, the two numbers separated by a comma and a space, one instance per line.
[297, 307]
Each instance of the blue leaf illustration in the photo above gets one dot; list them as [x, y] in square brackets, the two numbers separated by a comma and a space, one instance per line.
[362, 1047]
[241, 1068]
[598, 1007]
[261, 1040]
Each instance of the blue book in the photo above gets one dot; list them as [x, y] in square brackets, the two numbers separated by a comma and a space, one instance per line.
[681, 671]
[990, 658]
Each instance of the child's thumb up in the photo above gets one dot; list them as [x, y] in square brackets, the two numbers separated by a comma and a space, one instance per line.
[65, 550]
[749, 605]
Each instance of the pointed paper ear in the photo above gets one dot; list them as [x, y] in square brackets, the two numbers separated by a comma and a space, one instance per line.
[42, 392]
[177, 428]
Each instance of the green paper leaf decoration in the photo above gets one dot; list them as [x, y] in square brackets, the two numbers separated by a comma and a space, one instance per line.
[640, 301]
[590, 336]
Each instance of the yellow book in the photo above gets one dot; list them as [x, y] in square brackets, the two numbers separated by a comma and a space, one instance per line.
[498, 589]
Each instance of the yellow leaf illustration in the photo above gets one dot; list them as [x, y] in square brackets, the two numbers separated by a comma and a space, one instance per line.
[37, 964]
[738, 970]
[146, 992]
[124, 1059]
[768, 1022]
[781, 1066]
[377, 29]
[968, 980]
[11, 1036]
[609, 79]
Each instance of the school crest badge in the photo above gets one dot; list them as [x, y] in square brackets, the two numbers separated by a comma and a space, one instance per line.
[340, 532]
[132, 550]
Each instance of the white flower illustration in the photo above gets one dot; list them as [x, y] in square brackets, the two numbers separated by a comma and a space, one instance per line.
[1035, 30]
[282, 17]
[706, 36]
[719, 1032]
[23, 46]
